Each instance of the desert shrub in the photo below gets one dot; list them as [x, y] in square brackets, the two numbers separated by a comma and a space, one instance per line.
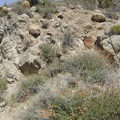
[46, 10]
[82, 104]
[49, 53]
[116, 29]
[104, 106]
[20, 10]
[92, 4]
[54, 68]
[105, 3]
[2, 14]
[28, 87]
[89, 66]
[87, 4]
[67, 41]
[3, 85]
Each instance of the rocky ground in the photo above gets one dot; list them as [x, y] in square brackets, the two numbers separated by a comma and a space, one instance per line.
[21, 38]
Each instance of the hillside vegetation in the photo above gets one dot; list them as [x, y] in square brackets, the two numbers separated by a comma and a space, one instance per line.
[60, 60]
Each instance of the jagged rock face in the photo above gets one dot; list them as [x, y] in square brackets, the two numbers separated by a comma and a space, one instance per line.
[112, 44]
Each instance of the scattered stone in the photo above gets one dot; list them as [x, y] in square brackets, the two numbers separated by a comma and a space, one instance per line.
[23, 18]
[33, 9]
[34, 29]
[2, 104]
[89, 42]
[60, 16]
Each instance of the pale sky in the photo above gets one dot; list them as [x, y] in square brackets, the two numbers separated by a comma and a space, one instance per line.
[7, 1]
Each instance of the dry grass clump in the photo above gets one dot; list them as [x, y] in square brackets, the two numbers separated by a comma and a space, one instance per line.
[49, 53]
[3, 85]
[2, 14]
[46, 9]
[86, 106]
[59, 101]
[116, 29]
[89, 66]
[28, 87]
[21, 10]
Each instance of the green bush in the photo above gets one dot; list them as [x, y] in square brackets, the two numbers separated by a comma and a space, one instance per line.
[105, 3]
[49, 53]
[80, 105]
[54, 68]
[87, 4]
[46, 10]
[92, 4]
[104, 106]
[2, 14]
[89, 66]
[116, 29]
[3, 85]
[28, 87]
[67, 41]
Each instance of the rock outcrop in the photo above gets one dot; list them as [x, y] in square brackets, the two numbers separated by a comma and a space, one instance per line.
[70, 27]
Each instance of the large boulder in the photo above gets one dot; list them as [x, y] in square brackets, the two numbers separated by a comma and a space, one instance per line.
[98, 17]
[112, 44]
[34, 29]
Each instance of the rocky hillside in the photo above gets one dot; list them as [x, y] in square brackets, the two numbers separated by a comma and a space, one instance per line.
[33, 40]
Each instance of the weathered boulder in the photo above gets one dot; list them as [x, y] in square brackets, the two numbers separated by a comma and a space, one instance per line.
[34, 29]
[98, 17]
[112, 44]
[11, 71]
[23, 18]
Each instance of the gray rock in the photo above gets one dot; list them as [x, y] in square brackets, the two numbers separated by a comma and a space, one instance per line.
[23, 18]
[33, 9]
[34, 29]
[113, 47]
[2, 104]
[11, 70]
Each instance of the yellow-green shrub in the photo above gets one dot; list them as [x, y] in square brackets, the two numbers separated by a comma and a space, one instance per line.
[26, 4]
[5, 10]
[116, 29]
[3, 85]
